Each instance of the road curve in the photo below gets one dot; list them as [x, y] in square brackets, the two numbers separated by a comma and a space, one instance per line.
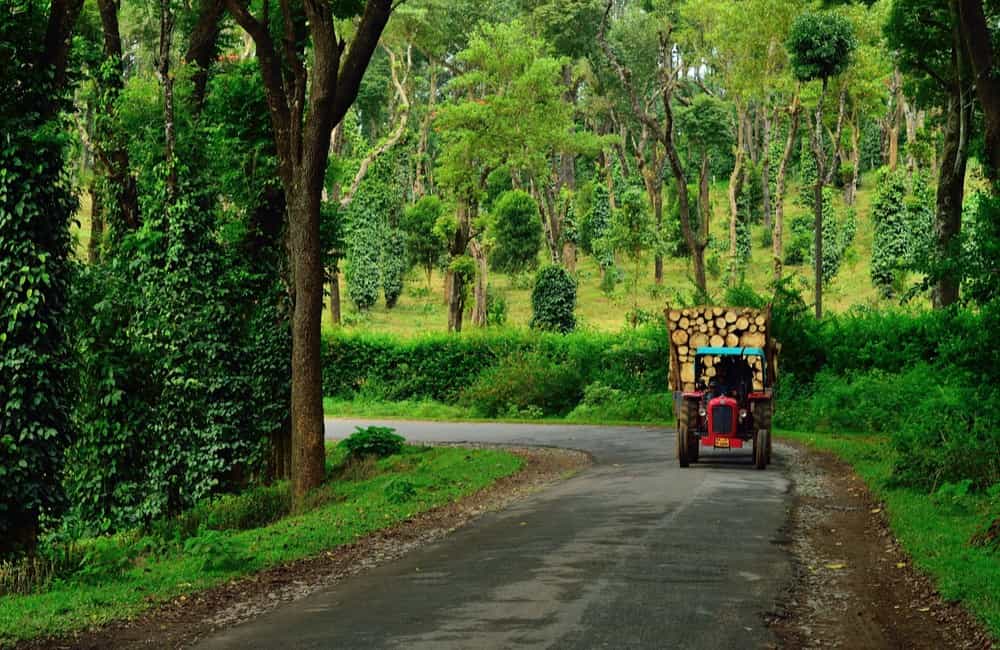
[634, 552]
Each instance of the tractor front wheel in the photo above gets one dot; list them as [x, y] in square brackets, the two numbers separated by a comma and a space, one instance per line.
[761, 444]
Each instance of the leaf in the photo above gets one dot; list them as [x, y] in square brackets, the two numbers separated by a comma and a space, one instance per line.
[836, 566]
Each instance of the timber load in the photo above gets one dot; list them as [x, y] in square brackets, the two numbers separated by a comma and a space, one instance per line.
[692, 328]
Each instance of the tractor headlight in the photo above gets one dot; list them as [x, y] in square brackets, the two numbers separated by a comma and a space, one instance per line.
[702, 412]
[743, 414]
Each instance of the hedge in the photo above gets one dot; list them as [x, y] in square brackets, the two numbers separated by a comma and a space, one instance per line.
[440, 366]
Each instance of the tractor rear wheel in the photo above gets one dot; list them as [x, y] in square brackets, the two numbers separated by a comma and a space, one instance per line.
[761, 443]
[762, 420]
[687, 442]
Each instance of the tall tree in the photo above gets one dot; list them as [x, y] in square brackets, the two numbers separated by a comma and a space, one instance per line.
[820, 46]
[978, 37]
[658, 117]
[305, 104]
[928, 44]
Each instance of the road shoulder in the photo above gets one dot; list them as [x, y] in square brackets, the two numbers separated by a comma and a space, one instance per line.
[855, 587]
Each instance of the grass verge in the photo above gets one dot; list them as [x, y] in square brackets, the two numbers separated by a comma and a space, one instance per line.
[134, 573]
[934, 529]
[655, 409]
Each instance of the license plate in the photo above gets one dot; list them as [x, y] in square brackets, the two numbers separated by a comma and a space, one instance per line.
[722, 443]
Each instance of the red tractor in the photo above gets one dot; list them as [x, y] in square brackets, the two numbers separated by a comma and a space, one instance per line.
[723, 393]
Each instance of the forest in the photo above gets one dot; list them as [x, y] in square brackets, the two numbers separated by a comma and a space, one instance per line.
[223, 220]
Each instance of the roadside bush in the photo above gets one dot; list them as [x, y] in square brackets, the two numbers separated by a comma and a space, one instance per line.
[439, 366]
[553, 300]
[603, 403]
[521, 382]
[373, 441]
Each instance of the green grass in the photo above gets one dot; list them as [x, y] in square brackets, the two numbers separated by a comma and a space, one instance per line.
[934, 531]
[654, 409]
[346, 510]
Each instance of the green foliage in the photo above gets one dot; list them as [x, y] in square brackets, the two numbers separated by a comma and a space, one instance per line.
[631, 233]
[523, 382]
[980, 258]
[214, 551]
[902, 214]
[393, 265]
[553, 300]
[400, 491]
[820, 44]
[838, 234]
[439, 367]
[798, 247]
[36, 204]
[373, 441]
[517, 232]
[595, 224]
[496, 307]
[603, 403]
[426, 246]
[891, 242]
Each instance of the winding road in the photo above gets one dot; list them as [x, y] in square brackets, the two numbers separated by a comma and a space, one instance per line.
[633, 552]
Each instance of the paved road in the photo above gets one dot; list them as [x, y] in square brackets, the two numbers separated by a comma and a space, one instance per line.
[631, 553]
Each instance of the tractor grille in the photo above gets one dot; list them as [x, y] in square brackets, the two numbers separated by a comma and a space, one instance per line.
[722, 419]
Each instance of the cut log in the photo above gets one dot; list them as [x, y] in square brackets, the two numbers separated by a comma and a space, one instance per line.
[720, 322]
[684, 322]
[685, 312]
[679, 337]
[687, 373]
[742, 323]
[688, 387]
[716, 341]
[698, 340]
[682, 350]
[717, 311]
[731, 316]
[673, 315]
[732, 340]
[710, 372]
[703, 328]
[760, 320]
[753, 328]
[752, 340]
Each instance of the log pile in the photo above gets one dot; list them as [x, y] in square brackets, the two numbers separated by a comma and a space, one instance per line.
[696, 327]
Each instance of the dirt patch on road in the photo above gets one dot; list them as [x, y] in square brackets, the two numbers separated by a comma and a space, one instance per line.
[855, 586]
[184, 620]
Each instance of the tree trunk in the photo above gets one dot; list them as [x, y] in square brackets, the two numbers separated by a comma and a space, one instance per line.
[479, 309]
[851, 188]
[817, 147]
[779, 186]
[569, 256]
[656, 198]
[335, 313]
[951, 182]
[975, 32]
[167, 82]
[736, 177]
[203, 48]
[422, 176]
[455, 283]
[308, 458]
[123, 201]
[96, 224]
[894, 118]
[765, 170]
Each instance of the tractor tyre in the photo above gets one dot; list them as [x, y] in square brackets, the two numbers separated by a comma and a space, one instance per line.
[687, 442]
[762, 420]
[761, 442]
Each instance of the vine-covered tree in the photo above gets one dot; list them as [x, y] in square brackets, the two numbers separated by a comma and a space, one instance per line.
[516, 232]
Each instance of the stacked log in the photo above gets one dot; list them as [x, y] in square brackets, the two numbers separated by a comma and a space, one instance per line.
[696, 327]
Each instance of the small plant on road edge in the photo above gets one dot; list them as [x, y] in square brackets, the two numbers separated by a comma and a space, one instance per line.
[373, 441]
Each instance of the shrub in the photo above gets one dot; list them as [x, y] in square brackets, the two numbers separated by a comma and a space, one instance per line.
[373, 441]
[521, 382]
[553, 300]
[400, 490]
[393, 266]
[426, 246]
[517, 232]
[496, 307]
